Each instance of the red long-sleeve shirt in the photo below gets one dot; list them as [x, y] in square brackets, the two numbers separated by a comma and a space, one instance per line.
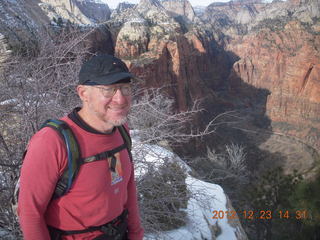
[95, 197]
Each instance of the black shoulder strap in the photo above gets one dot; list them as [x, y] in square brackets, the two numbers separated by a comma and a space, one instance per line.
[126, 138]
[106, 154]
[73, 152]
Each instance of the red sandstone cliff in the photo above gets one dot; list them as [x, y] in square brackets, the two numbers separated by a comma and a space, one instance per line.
[283, 57]
[287, 63]
[154, 47]
[175, 64]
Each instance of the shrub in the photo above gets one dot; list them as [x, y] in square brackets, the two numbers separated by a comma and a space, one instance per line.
[163, 196]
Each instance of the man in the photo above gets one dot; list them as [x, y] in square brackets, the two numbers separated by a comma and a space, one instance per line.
[98, 195]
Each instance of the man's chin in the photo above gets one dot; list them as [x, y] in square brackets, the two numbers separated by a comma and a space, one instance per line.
[118, 122]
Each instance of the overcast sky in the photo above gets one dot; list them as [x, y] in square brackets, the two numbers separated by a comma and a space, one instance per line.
[114, 3]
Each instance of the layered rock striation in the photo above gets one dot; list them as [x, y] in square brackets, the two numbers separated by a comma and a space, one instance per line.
[120, 8]
[153, 44]
[83, 12]
[24, 23]
[96, 11]
[180, 8]
[278, 50]
[20, 24]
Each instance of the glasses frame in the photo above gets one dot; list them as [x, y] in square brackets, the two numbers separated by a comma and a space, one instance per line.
[106, 94]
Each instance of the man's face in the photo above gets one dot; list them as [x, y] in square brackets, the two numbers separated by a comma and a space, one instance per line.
[109, 104]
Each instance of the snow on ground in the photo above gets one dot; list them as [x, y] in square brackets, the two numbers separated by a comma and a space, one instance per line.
[6, 235]
[205, 198]
[153, 154]
[8, 102]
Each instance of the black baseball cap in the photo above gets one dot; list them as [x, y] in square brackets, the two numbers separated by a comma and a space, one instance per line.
[104, 69]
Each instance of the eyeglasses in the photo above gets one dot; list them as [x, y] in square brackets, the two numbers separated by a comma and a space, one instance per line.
[111, 91]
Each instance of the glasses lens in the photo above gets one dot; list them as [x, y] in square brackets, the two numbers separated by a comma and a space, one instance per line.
[109, 92]
[125, 90]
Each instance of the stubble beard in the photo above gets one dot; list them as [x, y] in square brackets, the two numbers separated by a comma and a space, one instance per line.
[118, 122]
[103, 118]
[113, 122]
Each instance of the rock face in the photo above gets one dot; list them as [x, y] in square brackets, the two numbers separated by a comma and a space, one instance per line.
[279, 52]
[150, 41]
[97, 12]
[180, 8]
[120, 8]
[162, 67]
[76, 11]
[21, 23]
[275, 49]
[289, 68]
[133, 38]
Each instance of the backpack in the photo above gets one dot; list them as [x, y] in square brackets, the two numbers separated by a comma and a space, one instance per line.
[75, 161]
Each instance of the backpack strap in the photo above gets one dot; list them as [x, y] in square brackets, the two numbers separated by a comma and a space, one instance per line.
[127, 144]
[115, 229]
[105, 155]
[73, 152]
[126, 138]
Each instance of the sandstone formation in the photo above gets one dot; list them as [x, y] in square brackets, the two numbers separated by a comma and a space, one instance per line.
[76, 11]
[120, 8]
[97, 12]
[276, 49]
[288, 67]
[180, 8]
[133, 38]
[149, 40]
[20, 23]
[66, 10]
[281, 54]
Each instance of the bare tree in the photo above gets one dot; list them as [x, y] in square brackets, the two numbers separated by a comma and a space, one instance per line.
[154, 116]
[163, 196]
[236, 159]
[37, 84]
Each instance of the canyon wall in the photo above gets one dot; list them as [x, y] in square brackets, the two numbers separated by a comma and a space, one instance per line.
[278, 49]
[76, 11]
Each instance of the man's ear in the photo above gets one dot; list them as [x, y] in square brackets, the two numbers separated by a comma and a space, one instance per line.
[83, 92]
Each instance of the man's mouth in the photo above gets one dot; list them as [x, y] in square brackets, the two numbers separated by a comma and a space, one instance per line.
[118, 109]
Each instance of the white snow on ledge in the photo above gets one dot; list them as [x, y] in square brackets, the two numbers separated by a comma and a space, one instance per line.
[9, 101]
[205, 198]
